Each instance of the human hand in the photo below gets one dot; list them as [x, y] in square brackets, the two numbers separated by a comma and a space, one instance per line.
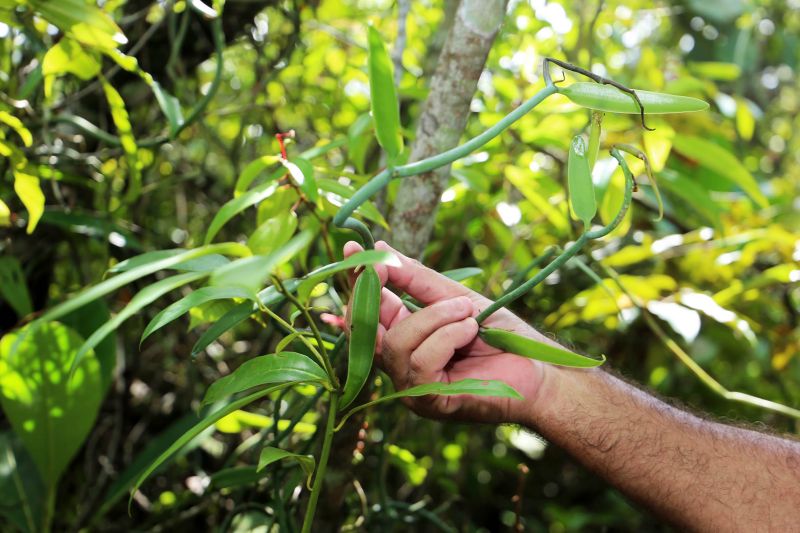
[439, 343]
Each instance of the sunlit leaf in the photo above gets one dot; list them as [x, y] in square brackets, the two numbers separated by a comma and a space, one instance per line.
[383, 96]
[51, 414]
[28, 189]
[270, 454]
[281, 367]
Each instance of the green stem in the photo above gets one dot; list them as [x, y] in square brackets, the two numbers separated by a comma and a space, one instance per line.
[573, 249]
[291, 329]
[322, 465]
[445, 158]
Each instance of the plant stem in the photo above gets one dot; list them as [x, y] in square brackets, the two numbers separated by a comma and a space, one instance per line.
[573, 249]
[322, 465]
[445, 158]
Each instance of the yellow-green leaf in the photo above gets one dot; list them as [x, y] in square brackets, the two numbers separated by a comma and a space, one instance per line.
[383, 96]
[28, 189]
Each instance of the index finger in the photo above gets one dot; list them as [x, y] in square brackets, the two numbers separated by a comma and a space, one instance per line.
[421, 282]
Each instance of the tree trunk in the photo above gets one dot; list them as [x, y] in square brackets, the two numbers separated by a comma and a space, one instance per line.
[444, 118]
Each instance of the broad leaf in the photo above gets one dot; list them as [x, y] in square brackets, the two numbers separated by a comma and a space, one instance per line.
[51, 414]
[273, 233]
[21, 489]
[86, 321]
[302, 172]
[252, 171]
[284, 367]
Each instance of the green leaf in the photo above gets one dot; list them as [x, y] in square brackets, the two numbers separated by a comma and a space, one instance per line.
[367, 257]
[196, 298]
[366, 306]
[13, 287]
[233, 207]
[339, 192]
[610, 99]
[154, 447]
[383, 97]
[273, 233]
[268, 297]
[719, 160]
[302, 172]
[253, 169]
[692, 195]
[533, 349]
[206, 422]
[171, 108]
[112, 284]
[91, 226]
[86, 321]
[252, 272]
[284, 367]
[237, 476]
[51, 414]
[84, 22]
[206, 263]
[460, 274]
[30, 193]
[16, 124]
[581, 189]
[715, 70]
[269, 455]
[142, 299]
[68, 57]
[21, 489]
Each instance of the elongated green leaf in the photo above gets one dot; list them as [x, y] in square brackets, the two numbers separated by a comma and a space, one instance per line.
[86, 321]
[366, 305]
[112, 284]
[269, 455]
[50, 413]
[607, 98]
[581, 190]
[122, 121]
[367, 257]
[238, 476]
[91, 226]
[171, 108]
[16, 124]
[154, 448]
[719, 160]
[533, 349]
[13, 288]
[206, 263]
[383, 97]
[281, 367]
[142, 299]
[302, 172]
[196, 298]
[237, 205]
[692, 195]
[84, 22]
[252, 272]
[476, 387]
[273, 233]
[198, 428]
[460, 274]
[253, 169]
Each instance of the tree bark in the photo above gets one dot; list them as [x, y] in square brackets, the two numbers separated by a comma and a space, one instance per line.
[443, 119]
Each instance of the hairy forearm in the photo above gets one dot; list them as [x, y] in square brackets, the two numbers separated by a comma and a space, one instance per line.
[692, 472]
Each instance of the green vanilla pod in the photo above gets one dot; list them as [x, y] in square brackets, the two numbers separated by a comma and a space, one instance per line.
[608, 98]
[533, 349]
[363, 332]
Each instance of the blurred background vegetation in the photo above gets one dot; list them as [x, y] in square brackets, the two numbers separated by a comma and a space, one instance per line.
[719, 271]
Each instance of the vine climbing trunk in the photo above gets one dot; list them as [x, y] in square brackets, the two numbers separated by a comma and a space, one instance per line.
[443, 119]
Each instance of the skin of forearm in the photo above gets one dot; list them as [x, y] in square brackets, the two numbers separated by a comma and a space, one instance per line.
[694, 473]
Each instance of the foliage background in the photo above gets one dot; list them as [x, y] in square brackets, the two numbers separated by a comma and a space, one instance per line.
[302, 66]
